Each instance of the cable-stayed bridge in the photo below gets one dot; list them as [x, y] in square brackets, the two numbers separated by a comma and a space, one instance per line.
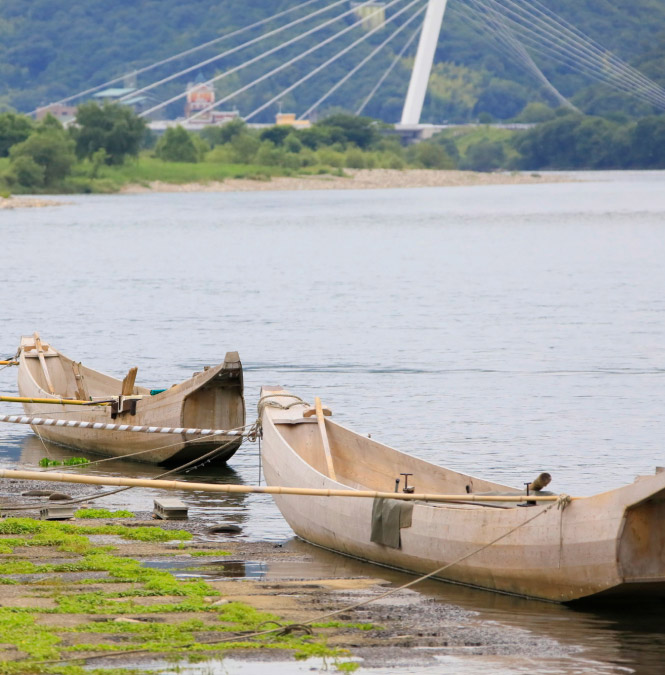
[298, 47]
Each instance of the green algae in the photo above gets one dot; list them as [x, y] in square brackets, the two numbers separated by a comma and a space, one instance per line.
[146, 533]
[103, 513]
[40, 645]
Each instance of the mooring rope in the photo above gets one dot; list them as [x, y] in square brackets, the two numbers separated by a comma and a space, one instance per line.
[144, 429]
[561, 504]
[265, 402]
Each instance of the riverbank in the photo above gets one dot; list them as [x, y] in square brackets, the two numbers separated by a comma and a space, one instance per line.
[355, 179]
[26, 203]
[124, 592]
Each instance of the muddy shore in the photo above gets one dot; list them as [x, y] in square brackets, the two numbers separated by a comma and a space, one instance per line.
[356, 179]
[405, 629]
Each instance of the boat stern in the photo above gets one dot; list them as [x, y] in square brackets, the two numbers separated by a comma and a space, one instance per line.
[641, 545]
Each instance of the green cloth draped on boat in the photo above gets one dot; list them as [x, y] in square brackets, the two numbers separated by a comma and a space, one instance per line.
[388, 517]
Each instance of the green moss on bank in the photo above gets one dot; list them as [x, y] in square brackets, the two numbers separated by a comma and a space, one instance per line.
[96, 620]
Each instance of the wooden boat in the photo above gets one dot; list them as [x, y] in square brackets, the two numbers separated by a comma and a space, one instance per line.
[211, 399]
[611, 545]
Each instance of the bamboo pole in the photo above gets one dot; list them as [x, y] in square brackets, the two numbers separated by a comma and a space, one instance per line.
[54, 401]
[8, 363]
[254, 489]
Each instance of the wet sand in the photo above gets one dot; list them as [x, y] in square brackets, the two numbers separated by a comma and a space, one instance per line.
[357, 179]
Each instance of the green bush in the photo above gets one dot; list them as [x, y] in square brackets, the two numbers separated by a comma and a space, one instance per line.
[244, 148]
[176, 145]
[329, 157]
[430, 155]
[355, 159]
[26, 172]
[52, 150]
[485, 155]
[269, 155]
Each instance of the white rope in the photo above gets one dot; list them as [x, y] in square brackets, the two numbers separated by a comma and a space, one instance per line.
[187, 52]
[389, 70]
[537, 31]
[254, 60]
[79, 424]
[361, 63]
[212, 59]
[325, 64]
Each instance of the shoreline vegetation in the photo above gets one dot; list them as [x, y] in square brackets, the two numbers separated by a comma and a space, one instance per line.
[109, 149]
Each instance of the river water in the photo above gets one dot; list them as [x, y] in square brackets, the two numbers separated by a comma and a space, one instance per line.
[500, 330]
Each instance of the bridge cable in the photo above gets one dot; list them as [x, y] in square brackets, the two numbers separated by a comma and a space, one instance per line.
[257, 58]
[627, 81]
[504, 41]
[362, 62]
[573, 33]
[591, 70]
[233, 50]
[554, 37]
[330, 60]
[299, 56]
[389, 69]
[187, 52]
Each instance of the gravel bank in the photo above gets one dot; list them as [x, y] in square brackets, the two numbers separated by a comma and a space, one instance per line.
[356, 179]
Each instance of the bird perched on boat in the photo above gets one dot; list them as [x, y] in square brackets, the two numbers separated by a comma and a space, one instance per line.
[541, 482]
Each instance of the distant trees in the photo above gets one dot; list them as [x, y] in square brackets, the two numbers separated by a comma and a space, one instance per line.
[112, 127]
[647, 143]
[577, 141]
[13, 129]
[502, 99]
[44, 159]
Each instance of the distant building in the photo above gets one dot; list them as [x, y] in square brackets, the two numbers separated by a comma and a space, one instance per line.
[289, 120]
[124, 96]
[200, 96]
[63, 113]
[373, 14]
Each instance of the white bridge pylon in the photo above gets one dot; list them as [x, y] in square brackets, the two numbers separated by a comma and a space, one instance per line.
[422, 67]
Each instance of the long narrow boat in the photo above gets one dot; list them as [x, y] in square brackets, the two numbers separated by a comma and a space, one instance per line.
[211, 399]
[611, 545]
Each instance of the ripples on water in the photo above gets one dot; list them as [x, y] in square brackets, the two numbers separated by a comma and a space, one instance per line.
[497, 330]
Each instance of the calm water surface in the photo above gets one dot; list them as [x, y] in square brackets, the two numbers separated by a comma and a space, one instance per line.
[497, 330]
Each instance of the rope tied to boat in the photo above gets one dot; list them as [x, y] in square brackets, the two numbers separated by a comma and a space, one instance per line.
[266, 402]
[563, 501]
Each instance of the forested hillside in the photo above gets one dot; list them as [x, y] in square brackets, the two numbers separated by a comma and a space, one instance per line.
[50, 49]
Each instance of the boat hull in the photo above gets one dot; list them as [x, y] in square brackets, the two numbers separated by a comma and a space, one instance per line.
[210, 399]
[560, 555]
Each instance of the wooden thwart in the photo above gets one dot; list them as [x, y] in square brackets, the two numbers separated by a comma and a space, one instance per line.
[256, 489]
[324, 438]
[42, 361]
